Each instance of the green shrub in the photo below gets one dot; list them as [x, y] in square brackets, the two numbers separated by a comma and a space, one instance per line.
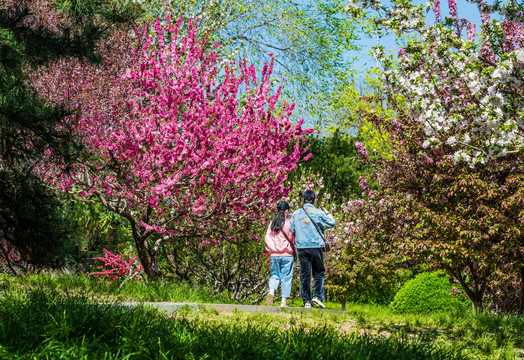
[428, 292]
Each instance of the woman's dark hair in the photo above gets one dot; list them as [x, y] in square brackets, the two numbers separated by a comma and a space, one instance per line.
[280, 218]
[309, 197]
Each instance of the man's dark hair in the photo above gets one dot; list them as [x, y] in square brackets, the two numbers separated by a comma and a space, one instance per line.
[309, 197]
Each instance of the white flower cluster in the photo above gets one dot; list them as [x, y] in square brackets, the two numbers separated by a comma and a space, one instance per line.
[467, 103]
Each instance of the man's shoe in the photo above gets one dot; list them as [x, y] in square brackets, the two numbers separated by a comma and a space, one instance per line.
[284, 304]
[317, 303]
[307, 305]
[270, 299]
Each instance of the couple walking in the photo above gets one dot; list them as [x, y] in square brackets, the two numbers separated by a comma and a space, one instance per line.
[305, 233]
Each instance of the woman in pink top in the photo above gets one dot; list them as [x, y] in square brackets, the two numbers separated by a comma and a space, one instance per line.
[280, 244]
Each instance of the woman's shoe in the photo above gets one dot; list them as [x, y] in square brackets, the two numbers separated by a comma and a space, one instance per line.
[270, 299]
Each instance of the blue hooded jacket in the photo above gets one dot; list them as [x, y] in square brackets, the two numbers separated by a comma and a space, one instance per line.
[306, 235]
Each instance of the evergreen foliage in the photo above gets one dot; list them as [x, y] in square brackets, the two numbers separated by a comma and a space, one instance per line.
[94, 229]
[33, 34]
[31, 222]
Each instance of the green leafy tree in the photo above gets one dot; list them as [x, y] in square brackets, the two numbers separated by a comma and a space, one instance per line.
[334, 152]
[356, 110]
[333, 159]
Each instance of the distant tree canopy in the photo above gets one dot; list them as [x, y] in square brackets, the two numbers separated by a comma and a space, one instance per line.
[333, 158]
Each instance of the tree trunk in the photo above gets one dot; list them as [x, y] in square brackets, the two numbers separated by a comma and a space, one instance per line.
[476, 304]
[521, 302]
[343, 304]
[147, 254]
[475, 291]
[148, 258]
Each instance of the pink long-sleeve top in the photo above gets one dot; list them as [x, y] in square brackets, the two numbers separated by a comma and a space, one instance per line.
[276, 243]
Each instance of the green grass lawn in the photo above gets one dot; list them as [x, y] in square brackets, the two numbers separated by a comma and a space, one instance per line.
[42, 315]
[91, 287]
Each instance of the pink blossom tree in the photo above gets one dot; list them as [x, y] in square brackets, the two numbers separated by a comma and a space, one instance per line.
[176, 141]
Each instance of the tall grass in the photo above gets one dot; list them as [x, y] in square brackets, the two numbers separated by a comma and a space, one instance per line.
[481, 336]
[40, 326]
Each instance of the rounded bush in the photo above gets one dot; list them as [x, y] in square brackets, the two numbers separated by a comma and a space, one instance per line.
[428, 292]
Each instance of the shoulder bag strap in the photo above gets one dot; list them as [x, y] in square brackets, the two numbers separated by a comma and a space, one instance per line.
[293, 248]
[316, 227]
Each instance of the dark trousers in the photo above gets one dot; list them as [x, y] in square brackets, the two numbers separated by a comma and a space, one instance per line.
[311, 260]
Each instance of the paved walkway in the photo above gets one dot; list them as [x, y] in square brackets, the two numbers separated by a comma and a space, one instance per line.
[172, 307]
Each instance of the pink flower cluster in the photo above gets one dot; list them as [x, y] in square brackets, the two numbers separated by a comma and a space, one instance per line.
[361, 149]
[116, 268]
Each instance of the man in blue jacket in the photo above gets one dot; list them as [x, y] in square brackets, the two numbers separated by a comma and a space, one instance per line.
[310, 243]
